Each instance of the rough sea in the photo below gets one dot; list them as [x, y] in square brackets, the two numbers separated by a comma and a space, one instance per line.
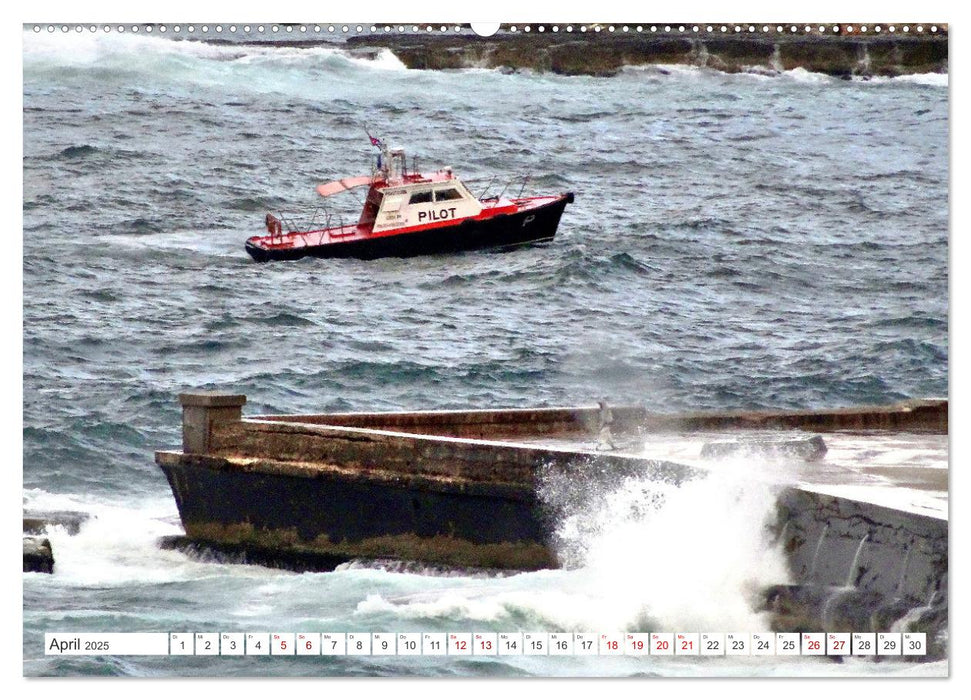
[737, 242]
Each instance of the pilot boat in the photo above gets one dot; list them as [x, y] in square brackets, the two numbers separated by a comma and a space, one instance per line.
[414, 213]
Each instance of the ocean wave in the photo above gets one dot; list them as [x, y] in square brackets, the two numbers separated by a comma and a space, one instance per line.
[88, 49]
[282, 319]
[932, 79]
[195, 61]
[74, 152]
[116, 547]
[801, 75]
[667, 69]
[603, 586]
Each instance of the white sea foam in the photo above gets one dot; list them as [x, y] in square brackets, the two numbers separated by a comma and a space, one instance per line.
[134, 52]
[934, 79]
[384, 59]
[757, 73]
[645, 555]
[118, 543]
[801, 75]
[692, 556]
[677, 69]
[87, 48]
[448, 605]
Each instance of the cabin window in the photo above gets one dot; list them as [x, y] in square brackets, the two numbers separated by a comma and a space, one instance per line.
[446, 195]
[420, 197]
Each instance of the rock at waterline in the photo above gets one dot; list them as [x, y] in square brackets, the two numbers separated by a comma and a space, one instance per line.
[38, 555]
[809, 450]
[38, 522]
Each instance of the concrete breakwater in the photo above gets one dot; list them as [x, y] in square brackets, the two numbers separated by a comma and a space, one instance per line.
[860, 566]
[865, 549]
[842, 54]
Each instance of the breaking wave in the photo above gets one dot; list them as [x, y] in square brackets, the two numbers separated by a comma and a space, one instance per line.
[639, 554]
[654, 555]
[256, 68]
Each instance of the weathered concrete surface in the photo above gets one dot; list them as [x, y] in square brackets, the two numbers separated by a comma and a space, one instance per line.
[809, 449]
[234, 553]
[915, 415]
[605, 54]
[228, 553]
[479, 425]
[38, 555]
[201, 411]
[402, 453]
[334, 491]
[39, 522]
[861, 567]
[834, 541]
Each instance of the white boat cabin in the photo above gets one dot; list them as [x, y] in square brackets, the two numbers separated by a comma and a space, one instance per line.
[420, 204]
[398, 199]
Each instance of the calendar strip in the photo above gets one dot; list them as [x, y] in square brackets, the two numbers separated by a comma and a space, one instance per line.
[674, 644]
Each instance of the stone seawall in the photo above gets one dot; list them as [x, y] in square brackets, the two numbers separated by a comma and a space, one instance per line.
[861, 567]
[915, 415]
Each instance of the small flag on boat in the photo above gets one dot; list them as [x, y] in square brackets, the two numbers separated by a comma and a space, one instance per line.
[374, 142]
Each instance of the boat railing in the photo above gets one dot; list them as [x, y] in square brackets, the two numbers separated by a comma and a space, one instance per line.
[486, 188]
[523, 188]
[523, 179]
[321, 217]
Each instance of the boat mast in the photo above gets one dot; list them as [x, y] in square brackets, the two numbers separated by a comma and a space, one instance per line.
[395, 163]
[391, 163]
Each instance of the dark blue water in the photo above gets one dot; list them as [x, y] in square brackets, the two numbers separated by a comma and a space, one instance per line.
[737, 241]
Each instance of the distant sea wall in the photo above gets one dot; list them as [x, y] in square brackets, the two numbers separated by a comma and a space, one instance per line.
[843, 55]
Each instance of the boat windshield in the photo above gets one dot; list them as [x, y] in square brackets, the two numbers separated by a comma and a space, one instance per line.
[447, 195]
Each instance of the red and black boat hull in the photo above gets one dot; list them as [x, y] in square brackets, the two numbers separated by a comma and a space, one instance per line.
[525, 227]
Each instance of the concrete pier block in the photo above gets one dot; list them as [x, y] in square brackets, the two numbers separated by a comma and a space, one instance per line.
[201, 410]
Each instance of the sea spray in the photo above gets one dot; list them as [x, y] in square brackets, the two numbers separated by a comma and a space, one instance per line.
[117, 545]
[657, 556]
[638, 555]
